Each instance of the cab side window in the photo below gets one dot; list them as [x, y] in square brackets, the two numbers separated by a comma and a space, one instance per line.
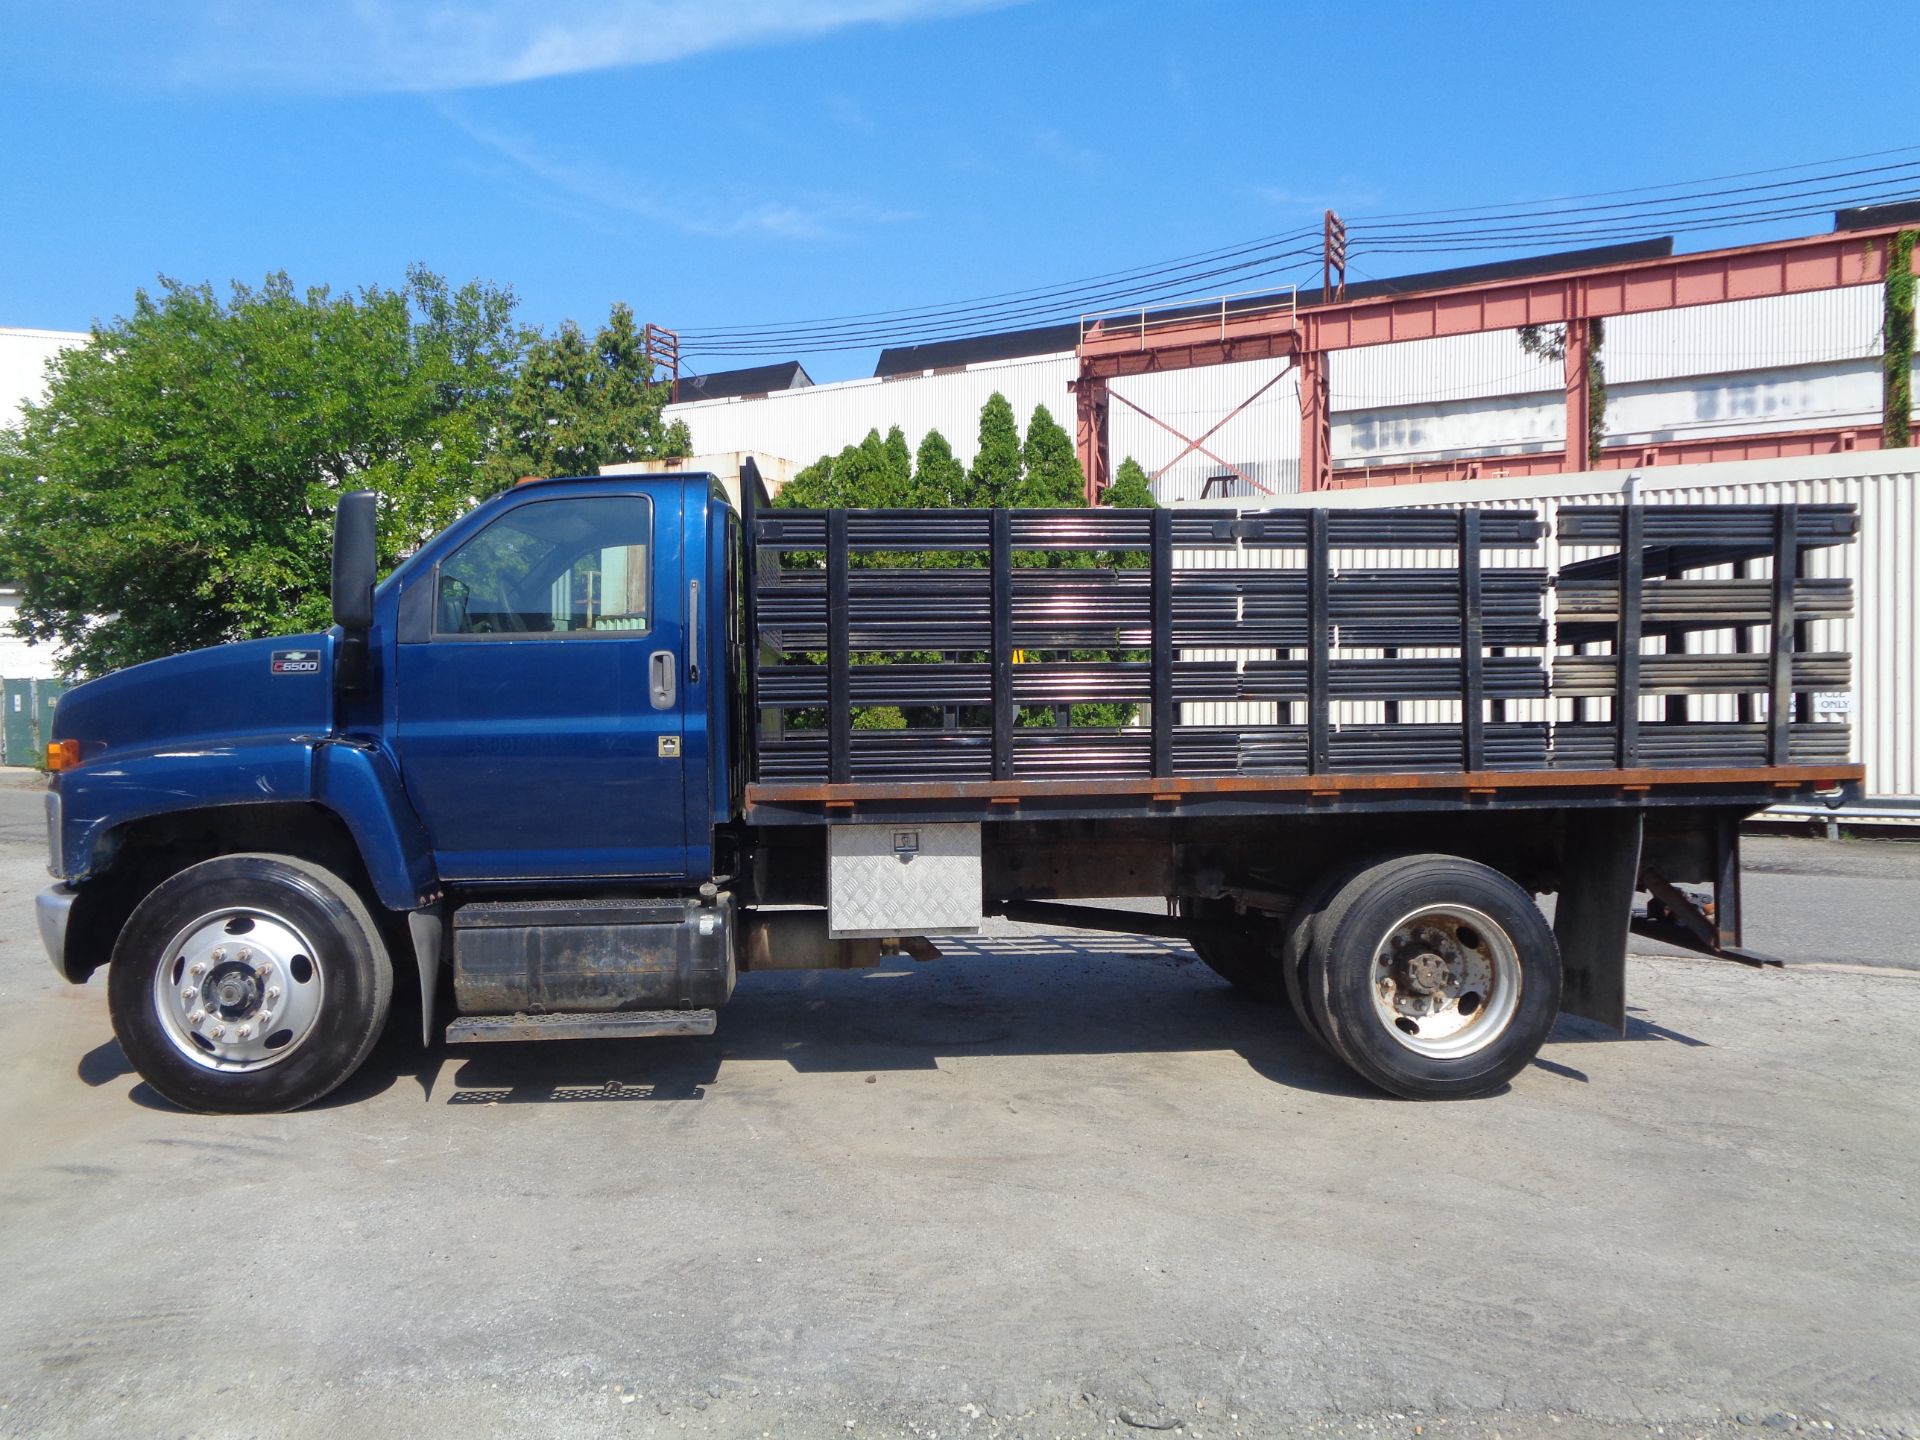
[552, 567]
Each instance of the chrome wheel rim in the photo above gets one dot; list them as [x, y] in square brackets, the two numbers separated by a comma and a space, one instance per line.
[1446, 981]
[238, 989]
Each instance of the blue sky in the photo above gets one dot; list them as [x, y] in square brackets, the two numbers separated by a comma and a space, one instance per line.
[716, 163]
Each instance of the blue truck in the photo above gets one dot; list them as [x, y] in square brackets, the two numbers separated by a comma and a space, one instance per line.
[608, 742]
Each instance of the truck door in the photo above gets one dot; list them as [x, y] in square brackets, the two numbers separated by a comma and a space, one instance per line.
[538, 718]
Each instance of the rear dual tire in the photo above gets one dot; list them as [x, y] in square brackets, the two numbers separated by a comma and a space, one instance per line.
[1433, 977]
[1239, 949]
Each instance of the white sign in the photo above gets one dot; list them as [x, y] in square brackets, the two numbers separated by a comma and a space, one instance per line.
[1833, 704]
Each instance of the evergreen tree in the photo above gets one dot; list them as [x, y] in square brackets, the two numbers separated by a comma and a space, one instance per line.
[1053, 479]
[870, 477]
[939, 480]
[995, 477]
[808, 489]
[1130, 489]
[899, 463]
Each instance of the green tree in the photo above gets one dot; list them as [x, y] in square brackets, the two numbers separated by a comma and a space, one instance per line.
[939, 480]
[899, 463]
[995, 477]
[809, 487]
[176, 489]
[1053, 480]
[867, 476]
[1130, 489]
[580, 403]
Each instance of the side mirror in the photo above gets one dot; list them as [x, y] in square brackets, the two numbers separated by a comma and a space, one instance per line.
[353, 560]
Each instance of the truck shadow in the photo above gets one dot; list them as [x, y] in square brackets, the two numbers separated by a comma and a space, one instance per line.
[993, 996]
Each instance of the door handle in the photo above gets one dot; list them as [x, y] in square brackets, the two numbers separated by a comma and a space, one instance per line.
[660, 675]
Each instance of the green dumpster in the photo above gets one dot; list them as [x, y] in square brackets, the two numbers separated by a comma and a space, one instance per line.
[21, 731]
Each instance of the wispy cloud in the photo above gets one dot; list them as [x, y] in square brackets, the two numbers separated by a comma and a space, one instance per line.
[1070, 154]
[429, 45]
[713, 215]
[1346, 193]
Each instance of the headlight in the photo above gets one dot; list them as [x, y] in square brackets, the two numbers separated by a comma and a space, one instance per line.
[54, 859]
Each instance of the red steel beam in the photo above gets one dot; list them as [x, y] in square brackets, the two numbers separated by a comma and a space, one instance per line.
[1570, 298]
[1778, 267]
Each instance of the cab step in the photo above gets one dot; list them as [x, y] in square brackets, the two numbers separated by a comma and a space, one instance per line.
[586, 1025]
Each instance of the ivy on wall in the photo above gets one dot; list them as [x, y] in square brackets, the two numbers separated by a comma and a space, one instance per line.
[1896, 360]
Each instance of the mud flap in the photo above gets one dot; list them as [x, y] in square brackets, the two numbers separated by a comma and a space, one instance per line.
[429, 929]
[1600, 865]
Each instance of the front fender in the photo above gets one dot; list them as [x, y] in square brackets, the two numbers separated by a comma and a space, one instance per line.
[99, 798]
[358, 783]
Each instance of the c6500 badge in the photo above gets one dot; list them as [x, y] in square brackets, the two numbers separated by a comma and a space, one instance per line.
[296, 662]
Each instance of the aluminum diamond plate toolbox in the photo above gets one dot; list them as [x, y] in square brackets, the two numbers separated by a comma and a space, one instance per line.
[885, 880]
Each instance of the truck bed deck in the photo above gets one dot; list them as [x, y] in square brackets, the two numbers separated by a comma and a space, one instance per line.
[1755, 788]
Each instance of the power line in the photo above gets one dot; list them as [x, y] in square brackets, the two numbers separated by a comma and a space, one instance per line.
[1224, 252]
[1669, 208]
[1901, 177]
[865, 337]
[1645, 189]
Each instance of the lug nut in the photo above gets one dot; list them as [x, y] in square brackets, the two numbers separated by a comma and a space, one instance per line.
[272, 995]
[266, 1018]
[197, 1016]
[219, 954]
[219, 1032]
[244, 955]
[245, 1033]
[194, 970]
[187, 995]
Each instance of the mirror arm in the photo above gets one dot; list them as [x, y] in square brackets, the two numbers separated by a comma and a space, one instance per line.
[350, 663]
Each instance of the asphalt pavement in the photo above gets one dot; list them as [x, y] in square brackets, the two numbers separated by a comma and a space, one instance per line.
[1053, 1185]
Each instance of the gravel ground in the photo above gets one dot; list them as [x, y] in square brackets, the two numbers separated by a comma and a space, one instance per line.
[1055, 1185]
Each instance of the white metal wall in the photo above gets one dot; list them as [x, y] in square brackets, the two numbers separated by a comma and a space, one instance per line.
[23, 363]
[18, 659]
[802, 425]
[1884, 565]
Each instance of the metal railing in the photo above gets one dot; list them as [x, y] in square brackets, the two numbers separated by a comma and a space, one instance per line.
[1149, 320]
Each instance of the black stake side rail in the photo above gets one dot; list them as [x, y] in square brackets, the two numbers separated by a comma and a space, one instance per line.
[950, 640]
[910, 531]
[1657, 545]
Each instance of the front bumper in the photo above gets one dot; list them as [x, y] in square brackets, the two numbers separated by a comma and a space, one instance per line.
[52, 907]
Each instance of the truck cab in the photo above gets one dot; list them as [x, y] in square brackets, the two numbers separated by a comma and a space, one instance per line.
[537, 702]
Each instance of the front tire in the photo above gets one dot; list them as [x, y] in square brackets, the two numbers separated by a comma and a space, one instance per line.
[249, 983]
[1434, 977]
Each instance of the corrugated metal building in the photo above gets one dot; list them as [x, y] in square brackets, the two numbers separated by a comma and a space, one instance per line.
[1784, 363]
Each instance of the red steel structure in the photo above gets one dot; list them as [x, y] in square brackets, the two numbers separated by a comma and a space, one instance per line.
[1276, 328]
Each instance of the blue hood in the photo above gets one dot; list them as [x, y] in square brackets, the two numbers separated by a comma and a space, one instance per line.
[228, 694]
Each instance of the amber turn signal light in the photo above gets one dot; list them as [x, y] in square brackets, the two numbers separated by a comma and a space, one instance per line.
[63, 754]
